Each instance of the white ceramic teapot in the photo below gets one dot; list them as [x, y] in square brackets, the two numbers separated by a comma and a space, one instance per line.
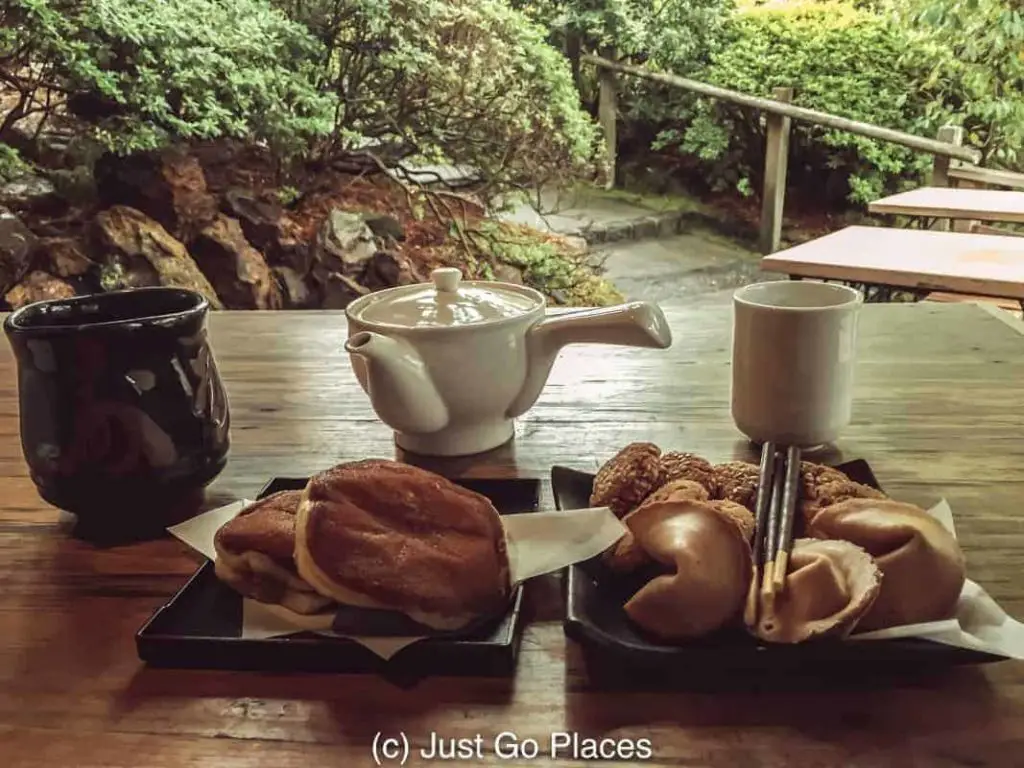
[449, 364]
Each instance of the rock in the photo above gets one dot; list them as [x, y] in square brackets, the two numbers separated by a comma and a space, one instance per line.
[32, 194]
[260, 218]
[344, 245]
[38, 286]
[296, 289]
[238, 271]
[508, 273]
[17, 246]
[169, 187]
[292, 253]
[140, 252]
[388, 269]
[384, 226]
[63, 257]
[339, 291]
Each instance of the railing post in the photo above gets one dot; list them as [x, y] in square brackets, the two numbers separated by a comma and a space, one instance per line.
[607, 115]
[951, 134]
[776, 159]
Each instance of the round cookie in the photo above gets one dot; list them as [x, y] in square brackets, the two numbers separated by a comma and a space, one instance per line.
[626, 479]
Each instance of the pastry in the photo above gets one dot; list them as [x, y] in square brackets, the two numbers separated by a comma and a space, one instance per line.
[679, 490]
[255, 555]
[923, 568]
[737, 481]
[380, 534]
[709, 570]
[830, 586]
[737, 514]
[687, 466]
[626, 479]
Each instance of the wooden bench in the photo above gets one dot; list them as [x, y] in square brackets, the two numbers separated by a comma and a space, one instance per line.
[913, 260]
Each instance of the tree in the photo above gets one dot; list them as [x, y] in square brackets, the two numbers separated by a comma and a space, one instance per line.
[980, 74]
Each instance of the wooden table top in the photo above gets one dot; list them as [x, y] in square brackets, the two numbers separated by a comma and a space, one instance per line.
[954, 203]
[983, 265]
[939, 413]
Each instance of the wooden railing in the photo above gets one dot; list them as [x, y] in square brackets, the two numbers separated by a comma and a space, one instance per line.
[779, 114]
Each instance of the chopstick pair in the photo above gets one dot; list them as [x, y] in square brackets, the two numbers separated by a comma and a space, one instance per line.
[777, 492]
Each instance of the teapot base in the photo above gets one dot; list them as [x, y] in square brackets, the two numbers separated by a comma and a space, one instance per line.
[464, 440]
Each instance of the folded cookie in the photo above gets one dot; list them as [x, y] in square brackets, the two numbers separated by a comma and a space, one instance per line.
[922, 565]
[255, 555]
[708, 564]
[830, 587]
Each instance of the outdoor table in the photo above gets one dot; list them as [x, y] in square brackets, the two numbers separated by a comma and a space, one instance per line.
[939, 413]
[954, 203]
[912, 260]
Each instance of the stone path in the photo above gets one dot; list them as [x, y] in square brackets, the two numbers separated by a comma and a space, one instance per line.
[653, 253]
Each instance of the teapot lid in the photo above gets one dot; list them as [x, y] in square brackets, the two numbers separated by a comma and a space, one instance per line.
[446, 302]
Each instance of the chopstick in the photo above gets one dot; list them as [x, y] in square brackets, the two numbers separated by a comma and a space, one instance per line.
[790, 491]
[764, 498]
[778, 491]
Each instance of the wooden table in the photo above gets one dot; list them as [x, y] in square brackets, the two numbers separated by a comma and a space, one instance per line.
[919, 261]
[953, 203]
[939, 413]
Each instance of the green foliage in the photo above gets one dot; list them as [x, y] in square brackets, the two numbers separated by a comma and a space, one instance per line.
[145, 73]
[669, 34]
[468, 82]
[978, 71]
[11, 164]
[547, 263]
[839, 59]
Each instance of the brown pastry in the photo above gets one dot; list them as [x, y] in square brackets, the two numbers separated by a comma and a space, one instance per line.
[737, 514]
[626, 479]
[710, 570]
[737, 481]
[923, 568]
[255, 555]
[812, 475]
[830, 586]
[679, 490]
[381, 534]
[687, 466]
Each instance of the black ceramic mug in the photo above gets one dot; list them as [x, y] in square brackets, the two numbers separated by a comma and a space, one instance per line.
[123, 414]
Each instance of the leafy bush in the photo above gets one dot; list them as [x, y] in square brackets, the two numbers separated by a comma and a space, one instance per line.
[469, 82]
[144, 73]
[978, 71]
[839, 59]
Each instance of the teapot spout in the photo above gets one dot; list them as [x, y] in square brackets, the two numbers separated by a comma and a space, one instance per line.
[400, 388]
[636, 324]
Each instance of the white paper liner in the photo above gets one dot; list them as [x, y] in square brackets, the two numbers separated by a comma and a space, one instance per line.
[538, 543]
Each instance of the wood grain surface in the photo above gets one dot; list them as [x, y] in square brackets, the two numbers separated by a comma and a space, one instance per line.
[985, 265]
[953, 203]
[940, 398]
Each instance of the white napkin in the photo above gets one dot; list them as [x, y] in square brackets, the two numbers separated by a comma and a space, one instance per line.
[980, 624]
[538, 543]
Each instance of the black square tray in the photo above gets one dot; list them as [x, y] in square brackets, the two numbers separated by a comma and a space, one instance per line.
[595, 618]
[200, 626]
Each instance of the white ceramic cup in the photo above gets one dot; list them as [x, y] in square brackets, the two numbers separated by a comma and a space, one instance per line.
[793, 351]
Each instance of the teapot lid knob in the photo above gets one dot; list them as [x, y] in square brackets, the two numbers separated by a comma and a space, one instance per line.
[446, 279]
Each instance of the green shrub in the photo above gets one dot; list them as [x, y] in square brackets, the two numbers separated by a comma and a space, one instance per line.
[141, 74]
[468, 82]
[978, 72]
[838, 59]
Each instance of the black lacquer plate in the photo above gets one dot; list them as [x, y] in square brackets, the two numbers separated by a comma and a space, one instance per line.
[200, 626]
[595, 618]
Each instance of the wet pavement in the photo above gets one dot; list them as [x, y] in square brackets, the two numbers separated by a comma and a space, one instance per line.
[699, 266]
